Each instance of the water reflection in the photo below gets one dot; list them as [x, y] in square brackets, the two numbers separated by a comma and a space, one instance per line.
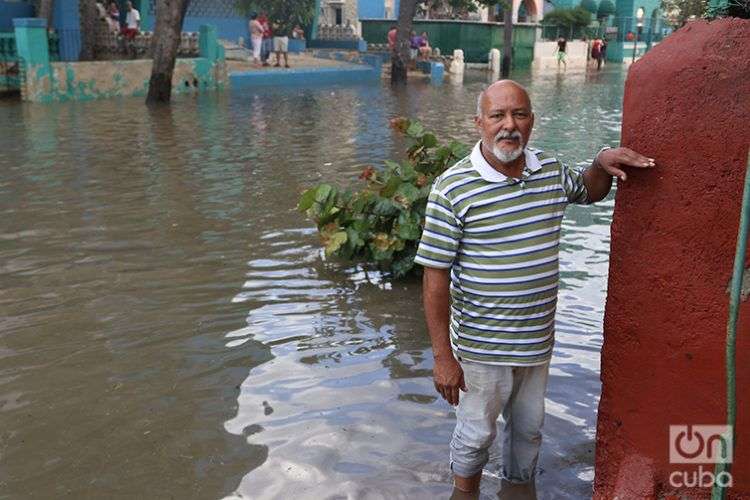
[170, 325]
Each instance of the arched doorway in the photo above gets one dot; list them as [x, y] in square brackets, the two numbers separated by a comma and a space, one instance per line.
[525, 11]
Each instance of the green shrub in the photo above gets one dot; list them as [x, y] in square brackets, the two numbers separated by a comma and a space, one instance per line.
[382, 223]
[606, 9]
[575, 18]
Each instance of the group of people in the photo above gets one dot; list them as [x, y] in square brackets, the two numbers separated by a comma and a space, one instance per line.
[267, 37]
[598, 51]
[132, 20]
[419, 45]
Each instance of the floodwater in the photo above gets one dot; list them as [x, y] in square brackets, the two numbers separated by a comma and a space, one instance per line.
[169, 327]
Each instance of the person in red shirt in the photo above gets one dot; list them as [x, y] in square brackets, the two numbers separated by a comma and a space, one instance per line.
[596, 52]
[267, 45]
[392, 38]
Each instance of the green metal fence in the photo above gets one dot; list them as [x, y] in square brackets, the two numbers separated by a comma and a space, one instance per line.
[649, 30]
[474, 38]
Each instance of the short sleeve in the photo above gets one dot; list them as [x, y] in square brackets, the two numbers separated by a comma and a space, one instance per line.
[442, 233]
[575, 188]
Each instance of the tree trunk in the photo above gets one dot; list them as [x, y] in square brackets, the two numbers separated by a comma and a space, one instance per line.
[89, 17]
[400, 55]
[507, 40]
[166, 42]
[45, 11]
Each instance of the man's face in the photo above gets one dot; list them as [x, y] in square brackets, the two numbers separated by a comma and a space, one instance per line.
[129, 5]
[506, 121]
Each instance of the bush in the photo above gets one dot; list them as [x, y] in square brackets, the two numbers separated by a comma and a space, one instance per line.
[590, 5]
[382, 223]
[606, 9]
[568, 18]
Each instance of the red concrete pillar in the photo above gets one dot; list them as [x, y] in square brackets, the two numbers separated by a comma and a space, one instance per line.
[687, 104]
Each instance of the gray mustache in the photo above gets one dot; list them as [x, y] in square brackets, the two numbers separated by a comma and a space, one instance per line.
[508, 135]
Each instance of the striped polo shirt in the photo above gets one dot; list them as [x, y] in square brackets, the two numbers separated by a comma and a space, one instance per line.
[500, 238]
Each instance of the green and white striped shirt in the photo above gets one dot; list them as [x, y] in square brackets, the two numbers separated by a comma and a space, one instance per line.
[500, 238]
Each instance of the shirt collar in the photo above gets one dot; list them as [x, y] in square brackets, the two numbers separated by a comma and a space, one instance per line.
[489, 174]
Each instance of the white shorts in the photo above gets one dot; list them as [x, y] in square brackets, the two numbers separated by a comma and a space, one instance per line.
[281, 44]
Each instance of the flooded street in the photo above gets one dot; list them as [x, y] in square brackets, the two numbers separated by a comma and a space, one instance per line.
[169, 327]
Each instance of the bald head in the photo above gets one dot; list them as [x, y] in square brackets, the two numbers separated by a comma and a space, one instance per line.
[500, 87]
[505, 120]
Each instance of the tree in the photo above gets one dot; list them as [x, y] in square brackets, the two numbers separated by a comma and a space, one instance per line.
[45, 11]
[166, 41]
[286, 13]
[568, 19]
[606, 9]
[89, 16]
[400, 55]
[507, 32]
[680, 11]
[590, 5]
[448, 9]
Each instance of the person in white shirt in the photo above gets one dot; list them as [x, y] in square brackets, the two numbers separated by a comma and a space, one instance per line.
[256, 35]
[132, 21]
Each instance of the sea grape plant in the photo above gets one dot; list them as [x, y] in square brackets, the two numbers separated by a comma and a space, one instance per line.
[382, 222]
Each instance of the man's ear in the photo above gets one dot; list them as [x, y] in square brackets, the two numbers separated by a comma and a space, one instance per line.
[478, 121]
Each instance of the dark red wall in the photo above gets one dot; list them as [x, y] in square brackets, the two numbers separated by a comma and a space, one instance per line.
[687, 104]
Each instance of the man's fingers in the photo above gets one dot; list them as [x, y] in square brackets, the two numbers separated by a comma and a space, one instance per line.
[462, 383]
[453, 391]
[617, 173]
[633, 159]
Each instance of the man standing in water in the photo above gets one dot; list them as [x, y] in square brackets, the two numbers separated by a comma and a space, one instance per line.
[490, 256]
[562, 47]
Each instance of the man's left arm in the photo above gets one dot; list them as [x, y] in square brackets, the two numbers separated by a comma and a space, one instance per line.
[610, 163]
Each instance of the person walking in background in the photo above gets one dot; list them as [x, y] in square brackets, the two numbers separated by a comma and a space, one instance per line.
[113, 17]
[267, 45]
[392, 38]
[424, 46]
[281, 43]
[298, 33]
[562, 46]
[490, 252]
[256, 37]
[596, 52]
[414, 41]
[132, 22]
[603, 50]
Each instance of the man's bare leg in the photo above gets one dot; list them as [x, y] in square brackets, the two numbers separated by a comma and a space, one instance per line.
[468, 484]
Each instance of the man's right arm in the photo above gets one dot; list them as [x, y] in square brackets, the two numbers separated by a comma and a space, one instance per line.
[447, 373]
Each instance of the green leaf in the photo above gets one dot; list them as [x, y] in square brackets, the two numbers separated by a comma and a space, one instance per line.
[408, 191]
[392, 165]
[321, 194]
[415, 129]
[385, 207]
[307, 199]
[429, 140]
[334, 243]
[459, 150]
[407, 172]
[390, 187]
[354, 239]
